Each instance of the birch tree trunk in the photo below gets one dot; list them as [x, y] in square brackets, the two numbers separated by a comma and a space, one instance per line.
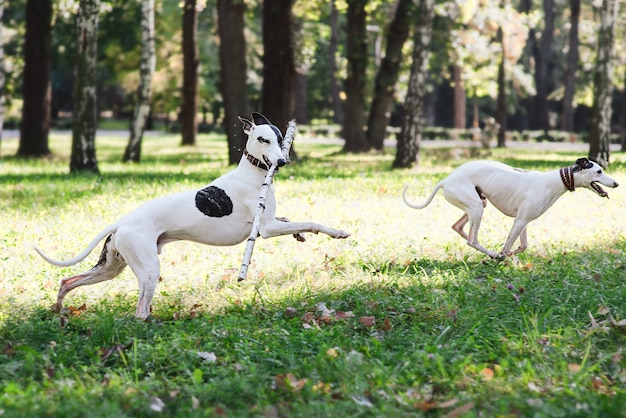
[567, 117]
[144, 93]
[356, 54]
[36, 90]
[189, 108]
[84, 114]
[410, 136]
[387, 74]
[233, 66]
[599, 135]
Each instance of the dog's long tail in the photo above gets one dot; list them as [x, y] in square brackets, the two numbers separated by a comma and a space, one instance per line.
[70, 262]
[427, 202]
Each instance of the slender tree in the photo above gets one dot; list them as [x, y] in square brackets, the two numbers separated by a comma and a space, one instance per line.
[84, 115]
[36, 92]
[542, 53]
[623, 117]
[410, 136]
[354, 108]
[567, 116]
[279, 70]
[501, 111]
[387, 74]
[599, 135]
[189, 108]
[233, 70]
[2, 75]
[144, 93]
[335, 89]
[460, 97]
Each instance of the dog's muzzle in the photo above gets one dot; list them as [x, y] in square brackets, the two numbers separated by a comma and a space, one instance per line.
[599, 190]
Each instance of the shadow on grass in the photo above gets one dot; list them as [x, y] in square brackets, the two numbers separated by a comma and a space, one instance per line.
[468, 330]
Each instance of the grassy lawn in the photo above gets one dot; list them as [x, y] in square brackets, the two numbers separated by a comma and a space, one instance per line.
[401, 319]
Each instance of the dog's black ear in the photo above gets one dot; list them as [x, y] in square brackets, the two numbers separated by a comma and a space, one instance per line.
[279, 134]
[583, 163]
[247, 125]
[259, 119]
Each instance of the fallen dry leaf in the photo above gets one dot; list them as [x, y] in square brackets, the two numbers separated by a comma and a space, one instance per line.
[344, 315]
[487, 373]
[367, 321]
[460, 411]
[387, 325]
[573, 367]
[289, 382]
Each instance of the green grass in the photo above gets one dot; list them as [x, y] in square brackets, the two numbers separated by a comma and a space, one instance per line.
[401, 319]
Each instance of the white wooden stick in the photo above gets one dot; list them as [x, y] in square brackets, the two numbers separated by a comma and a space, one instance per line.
[254, 233]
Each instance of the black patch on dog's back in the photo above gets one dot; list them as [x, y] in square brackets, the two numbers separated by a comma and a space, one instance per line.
[214, 202]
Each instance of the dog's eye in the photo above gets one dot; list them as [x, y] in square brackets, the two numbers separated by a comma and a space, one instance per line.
[263, 140]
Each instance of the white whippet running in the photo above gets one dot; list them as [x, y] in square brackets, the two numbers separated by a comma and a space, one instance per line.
[220, 213]
[521, 194]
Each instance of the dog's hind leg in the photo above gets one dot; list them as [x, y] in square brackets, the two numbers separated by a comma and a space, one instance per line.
[459, 225]
[110, 265]
[141, 254]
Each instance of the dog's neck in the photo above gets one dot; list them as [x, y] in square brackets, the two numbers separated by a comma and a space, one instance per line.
[567, 177]
[255, 161]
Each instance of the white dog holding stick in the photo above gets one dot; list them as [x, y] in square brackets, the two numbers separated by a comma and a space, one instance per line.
[220, 213]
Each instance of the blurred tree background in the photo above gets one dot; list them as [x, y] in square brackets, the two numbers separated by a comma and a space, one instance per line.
[528, 69]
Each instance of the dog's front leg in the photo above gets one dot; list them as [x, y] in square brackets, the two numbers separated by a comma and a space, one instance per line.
[274, 228]
[517, 231]
[298, 237]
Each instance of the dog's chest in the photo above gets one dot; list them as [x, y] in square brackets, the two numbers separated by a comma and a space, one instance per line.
[213, 202]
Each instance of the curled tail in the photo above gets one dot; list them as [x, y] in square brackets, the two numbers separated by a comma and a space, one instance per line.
[427, 202]
[70, 262]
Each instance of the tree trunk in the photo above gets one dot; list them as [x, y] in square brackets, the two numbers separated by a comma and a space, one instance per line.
[233, 71]
[189, 108]
[501, 112]
[528, 103]
[2, 74]
[279, 71]
[460, 97]
[410, 136]
[302, 108]
[85, 113]
[387, 75]
[623, 118]
[36, 92]
[542, 55]
[356, 54]
[599, 136]
[146, 69]
[335, 96]
[567, 117]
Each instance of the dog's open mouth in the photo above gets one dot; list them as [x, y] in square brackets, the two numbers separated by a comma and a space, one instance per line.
[599, 190]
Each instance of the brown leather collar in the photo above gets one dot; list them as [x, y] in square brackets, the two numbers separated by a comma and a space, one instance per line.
[567, 177]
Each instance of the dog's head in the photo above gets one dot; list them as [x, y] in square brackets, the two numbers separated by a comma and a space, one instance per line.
[264, 140]
[590, 175]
